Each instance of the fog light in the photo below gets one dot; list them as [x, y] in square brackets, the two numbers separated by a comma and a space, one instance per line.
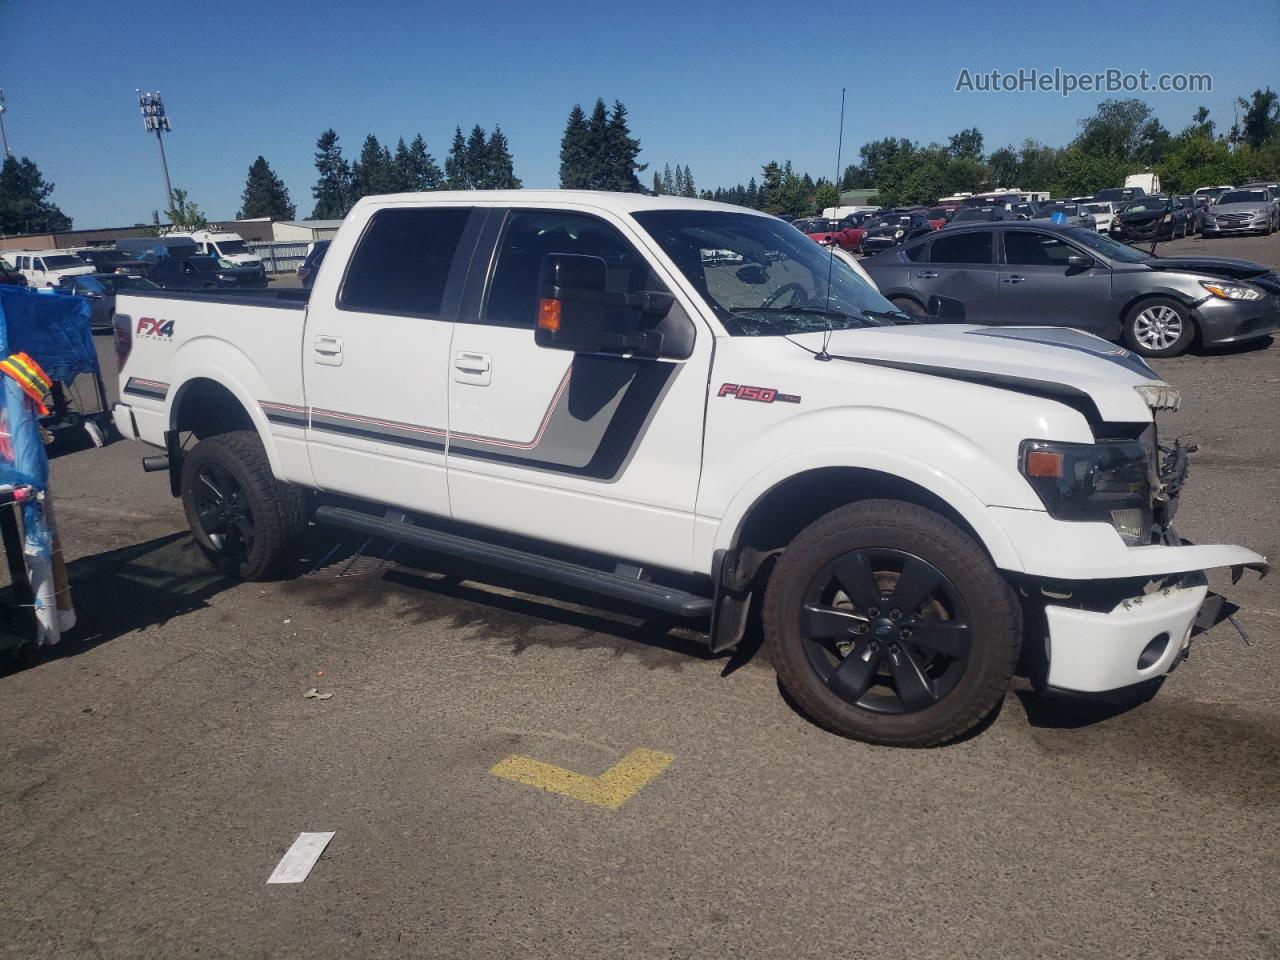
[1131, 524]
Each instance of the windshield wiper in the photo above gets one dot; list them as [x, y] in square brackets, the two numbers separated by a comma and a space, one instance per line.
[818, 311]
[893, 316]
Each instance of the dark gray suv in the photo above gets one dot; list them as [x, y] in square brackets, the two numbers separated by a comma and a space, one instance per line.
[1043, 274]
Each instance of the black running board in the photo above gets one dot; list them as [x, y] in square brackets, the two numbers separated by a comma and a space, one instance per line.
[640, 592]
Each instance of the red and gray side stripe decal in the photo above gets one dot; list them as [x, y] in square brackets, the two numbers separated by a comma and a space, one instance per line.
[592, 425]
[151, 389]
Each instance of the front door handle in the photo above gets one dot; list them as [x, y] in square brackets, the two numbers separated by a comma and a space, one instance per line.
[927, 275]
[1013, 279]
[472, 368]
[328, 350]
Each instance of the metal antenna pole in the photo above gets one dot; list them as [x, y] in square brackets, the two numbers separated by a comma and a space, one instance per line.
[4, 140]
[154, 119]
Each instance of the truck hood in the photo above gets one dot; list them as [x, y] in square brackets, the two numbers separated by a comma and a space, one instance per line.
[1076, 368]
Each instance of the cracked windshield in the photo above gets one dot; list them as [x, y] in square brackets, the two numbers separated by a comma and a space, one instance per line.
[763, 277]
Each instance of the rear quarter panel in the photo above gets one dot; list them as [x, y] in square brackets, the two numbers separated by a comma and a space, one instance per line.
[251, 349]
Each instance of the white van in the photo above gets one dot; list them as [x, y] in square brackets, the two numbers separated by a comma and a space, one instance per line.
[224, 246]
[1150, 182]
[44, 268]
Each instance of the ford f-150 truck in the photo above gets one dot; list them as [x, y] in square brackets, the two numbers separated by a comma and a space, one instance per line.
[690, 406]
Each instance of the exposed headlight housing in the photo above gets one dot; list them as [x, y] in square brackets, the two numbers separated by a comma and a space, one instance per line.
[1107, 482]
[898, 233]
[1159, 396]
[1231, 291]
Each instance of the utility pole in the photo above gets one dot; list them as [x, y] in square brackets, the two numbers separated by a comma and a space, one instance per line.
[154, 119]
[4, 140]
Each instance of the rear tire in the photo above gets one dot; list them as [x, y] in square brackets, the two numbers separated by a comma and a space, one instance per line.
[245, 521]
[1158, 327]
[910, 667]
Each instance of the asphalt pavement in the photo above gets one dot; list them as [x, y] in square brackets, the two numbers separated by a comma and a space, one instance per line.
[155, 767]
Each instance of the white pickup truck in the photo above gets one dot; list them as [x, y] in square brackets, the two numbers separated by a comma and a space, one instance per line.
[687, 405]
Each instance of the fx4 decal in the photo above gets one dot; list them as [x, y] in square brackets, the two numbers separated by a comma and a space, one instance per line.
[760, 394]
[158, 329]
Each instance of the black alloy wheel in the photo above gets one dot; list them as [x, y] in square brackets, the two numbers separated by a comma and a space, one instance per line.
[885, 630]
[224, 513]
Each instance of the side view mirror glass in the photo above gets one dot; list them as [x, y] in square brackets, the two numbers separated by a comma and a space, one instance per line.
[577, 312]
[946, 310]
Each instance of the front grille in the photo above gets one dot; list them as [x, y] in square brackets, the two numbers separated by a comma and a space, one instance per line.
[1235, 219]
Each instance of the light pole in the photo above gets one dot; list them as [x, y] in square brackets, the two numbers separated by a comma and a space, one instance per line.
[153, 118]
[4, 140]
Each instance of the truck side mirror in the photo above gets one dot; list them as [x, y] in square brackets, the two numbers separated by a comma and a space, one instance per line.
[946, 310]
[577, 312]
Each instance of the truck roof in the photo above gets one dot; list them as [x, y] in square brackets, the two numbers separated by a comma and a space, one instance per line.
[600, 199]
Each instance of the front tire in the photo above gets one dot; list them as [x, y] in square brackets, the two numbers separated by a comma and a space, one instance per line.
[1158, 327]
[889, 624]
[910, 307]
[244, 520]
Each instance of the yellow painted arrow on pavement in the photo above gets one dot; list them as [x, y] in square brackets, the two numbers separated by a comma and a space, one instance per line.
[610, 790]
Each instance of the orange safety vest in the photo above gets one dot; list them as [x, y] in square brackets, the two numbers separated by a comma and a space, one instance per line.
[35, 383]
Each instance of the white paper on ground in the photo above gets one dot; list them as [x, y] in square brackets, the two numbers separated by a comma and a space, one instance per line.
[300, 858]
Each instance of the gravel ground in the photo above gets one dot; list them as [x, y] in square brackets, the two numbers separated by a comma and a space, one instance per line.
[155, 769]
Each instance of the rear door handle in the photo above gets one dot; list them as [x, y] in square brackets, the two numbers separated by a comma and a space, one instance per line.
[927, 275]
[472, 368]
[1013, 279]
[328, 350]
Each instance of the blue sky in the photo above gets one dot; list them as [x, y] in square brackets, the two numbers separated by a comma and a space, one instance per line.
[722, 87]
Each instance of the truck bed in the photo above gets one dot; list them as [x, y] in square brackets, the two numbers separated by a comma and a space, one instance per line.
[288, 299]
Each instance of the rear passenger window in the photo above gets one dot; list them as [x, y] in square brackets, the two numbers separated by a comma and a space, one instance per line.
[531, 235]
[962, 248]
[402, 261]
[917, 253]
[1027, 249]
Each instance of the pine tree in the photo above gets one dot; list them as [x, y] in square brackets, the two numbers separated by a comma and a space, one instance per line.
[678, 182]
[455, 164]
[374, 172]
[332, 191]
[478, 174]
[622, 150]
[575, 149]
[753, 194]
[25, 206]
[401, 168]
[597, 165]
[657, 183]
[689, 190]
[265, 195]
[668, 182]
[423, 171]
[501, 166]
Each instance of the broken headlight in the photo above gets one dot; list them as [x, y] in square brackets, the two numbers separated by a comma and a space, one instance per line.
[1108, 482]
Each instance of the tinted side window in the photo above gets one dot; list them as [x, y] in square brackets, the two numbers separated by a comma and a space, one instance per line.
[917, 253]
[962, 248]
[1035, 249]
[531, 235]
[402, 261]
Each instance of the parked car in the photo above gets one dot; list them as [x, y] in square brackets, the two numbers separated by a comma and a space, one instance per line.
[1195, 213]
[1043, 274]
[817, 229]
[100, 289]
[106, 260]
[997, 198]
[851, 229]
[1067, 212]
[315, 257]
[1210, 194]
[981, 215]
[1241, 211]
[44, 268]
[1150, 218]
[941, 215]
[204, 273]
[555, 383]
[887, 230]
[1119, 195]
[11, 276]
[1104, 212]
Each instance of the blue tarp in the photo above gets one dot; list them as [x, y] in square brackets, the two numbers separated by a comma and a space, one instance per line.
[53, 329]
